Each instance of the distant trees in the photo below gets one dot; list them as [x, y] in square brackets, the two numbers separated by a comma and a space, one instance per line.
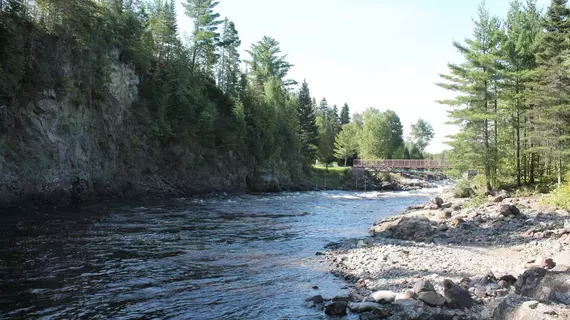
[421, 134]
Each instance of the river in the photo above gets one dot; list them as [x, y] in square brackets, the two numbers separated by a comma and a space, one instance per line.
[223, 257]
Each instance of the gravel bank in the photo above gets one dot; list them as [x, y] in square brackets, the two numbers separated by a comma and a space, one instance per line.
[477, 254]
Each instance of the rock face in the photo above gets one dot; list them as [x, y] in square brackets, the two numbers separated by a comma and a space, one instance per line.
[431, 298]
[406, 228]
[456, 296]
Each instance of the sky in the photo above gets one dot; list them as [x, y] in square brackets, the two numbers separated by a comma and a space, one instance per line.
[385, 54]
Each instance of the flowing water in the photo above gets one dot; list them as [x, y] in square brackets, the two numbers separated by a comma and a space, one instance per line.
[227, 257]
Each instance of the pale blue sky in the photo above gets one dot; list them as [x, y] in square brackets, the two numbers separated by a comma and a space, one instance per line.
[381, 53]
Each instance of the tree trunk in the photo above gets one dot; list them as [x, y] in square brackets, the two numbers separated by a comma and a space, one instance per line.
[345, 161]
[486, 142]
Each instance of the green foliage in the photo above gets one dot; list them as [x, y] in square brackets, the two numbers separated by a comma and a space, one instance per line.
[346, 142]
[344, 114]
[422, 133]
[463, 189]
[561, 196]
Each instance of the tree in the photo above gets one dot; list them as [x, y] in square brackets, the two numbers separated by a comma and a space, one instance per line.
[228, 73]
[473, 81]
[307, 120]
[375, 135]
[396, 134]
[205, 34]
[344, 115]
[346, 142]
[551, 116]
[267, 61]
[421, 135]
[328, 128]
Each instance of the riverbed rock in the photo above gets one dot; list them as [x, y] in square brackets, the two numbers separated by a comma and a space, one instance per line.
[437, 201]
[547, 263]
[507, 210]
[405, 228]
[315, 300]
[383, 296]
[528, 282]
[423, 285]
[359, 307]
[456, 296]
[337, 308]
[515, 307]
[431, 298]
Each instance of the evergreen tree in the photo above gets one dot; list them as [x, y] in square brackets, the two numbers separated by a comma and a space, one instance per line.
[551, 116]
[267, 61]
[473, 109]
[328, 129]
[307, 121]
[205, 34]
[228, 70]
[344, 115]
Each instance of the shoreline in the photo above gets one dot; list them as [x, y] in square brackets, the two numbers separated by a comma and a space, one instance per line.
[489, 252]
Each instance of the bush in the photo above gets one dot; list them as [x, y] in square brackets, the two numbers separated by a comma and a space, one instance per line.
[463, 189]
[561, 196]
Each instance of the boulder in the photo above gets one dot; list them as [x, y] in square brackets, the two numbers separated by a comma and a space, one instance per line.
[515, 307]
[508, 279]
[528, 281]
[337, 308]
[383, 296]
[456, 296]
[437, 201]
[431, 298]
[316, 299]
[446, 205]
[508, 210]
[423, 285]
[405, 228]
[547, 263]
[359, 307]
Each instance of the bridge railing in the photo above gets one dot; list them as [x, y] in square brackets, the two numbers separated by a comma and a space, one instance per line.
[401, 164]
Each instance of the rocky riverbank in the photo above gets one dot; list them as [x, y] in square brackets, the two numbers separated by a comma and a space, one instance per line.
[506, 259]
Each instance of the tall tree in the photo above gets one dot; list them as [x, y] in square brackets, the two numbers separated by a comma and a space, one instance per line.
[205, 34]
[551, 116]
[473, 81]
[307, 121]
[396, 134]
[328, 129]
[344, 114]
[375, 136]
[267, 61]
[228, 73]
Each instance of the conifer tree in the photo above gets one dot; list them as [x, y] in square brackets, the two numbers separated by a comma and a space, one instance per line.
[344, 114]
[307, 121]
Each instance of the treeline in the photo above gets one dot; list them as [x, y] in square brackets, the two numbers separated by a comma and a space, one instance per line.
[513, 95]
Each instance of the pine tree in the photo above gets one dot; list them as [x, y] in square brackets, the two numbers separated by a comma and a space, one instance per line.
[228, 70]
[344, 114]
[205, 34]
[473, 109]
[307, 121]
[551, 116]
[267, 61]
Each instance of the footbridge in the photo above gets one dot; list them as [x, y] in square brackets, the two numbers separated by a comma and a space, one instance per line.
[402, 165]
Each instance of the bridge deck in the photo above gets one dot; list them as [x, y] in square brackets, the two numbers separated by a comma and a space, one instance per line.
[401, 164]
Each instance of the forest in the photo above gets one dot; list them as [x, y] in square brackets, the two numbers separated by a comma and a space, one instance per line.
[198, 99]
[512, 102]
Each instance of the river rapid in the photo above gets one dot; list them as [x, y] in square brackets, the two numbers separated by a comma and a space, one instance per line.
[223, 257]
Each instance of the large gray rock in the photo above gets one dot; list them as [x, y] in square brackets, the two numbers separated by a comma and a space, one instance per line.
[359, 307]
[405, 228]
[508, 210]
[528, 282]
[456, 296]
[541, 285]
[423, 285]
[515, 307]
[431, 298]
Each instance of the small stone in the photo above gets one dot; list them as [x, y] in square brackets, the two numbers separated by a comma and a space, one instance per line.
[431, 298]
[408, 294]
[318, 299]
[337, 308]
[359, 307]
[442, 228]
[456, 221]
[509, 279]
[315, 287]
[446, 205]
[547, 263]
